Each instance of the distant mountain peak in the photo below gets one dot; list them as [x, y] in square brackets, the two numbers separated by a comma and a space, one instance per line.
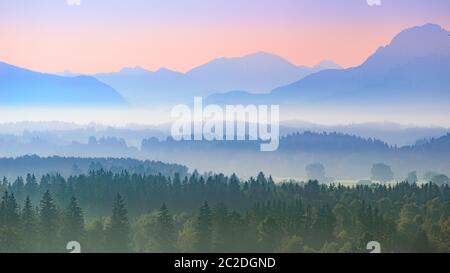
[428, 31]
[262, 54]
[258, 59]
[429, 27]
[327, 64]
[414, 42]
[166, 71]
[134, 70]
[258, 72]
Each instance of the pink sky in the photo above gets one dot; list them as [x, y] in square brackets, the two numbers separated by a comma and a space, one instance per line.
[86, 39]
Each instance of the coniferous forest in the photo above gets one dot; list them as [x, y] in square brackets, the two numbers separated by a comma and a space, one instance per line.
[122, 211]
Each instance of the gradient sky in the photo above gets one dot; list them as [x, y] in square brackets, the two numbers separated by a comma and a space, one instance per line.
[106, 35]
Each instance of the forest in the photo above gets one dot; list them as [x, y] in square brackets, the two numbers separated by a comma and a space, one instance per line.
[109, 211]
[345, 156]
[11, 167]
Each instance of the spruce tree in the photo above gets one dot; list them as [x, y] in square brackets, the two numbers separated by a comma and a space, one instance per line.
[9, 224]
[73, 223]
[31, 187]
[118, 230]
[48, 225]
[166, 235]
[220, 229]
[204, 229]
[19, 189]
[28, 227]
[9, 215]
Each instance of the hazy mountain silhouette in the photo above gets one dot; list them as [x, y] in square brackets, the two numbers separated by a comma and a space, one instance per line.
[22, 87]
[411, 70]
[258, 72]
[326, 64]
[140, 86]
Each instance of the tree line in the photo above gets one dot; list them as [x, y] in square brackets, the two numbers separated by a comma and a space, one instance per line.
[124, 212]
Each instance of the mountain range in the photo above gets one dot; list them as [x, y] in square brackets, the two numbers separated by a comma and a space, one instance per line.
[412, 70]
[259, 72]
[22, 87]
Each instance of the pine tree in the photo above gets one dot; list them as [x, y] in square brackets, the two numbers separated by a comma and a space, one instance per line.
[9, 224]
[221, 227]
[4, 185]
[73, 223]
[166, 235]
[204, 229]
[28, 227]
[118, 231]
[234, 191]
[9, 210]
[48, 225]
[19, 189]
[31, 187]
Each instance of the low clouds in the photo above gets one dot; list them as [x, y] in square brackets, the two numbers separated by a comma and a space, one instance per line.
[374, 2]
[73, 2]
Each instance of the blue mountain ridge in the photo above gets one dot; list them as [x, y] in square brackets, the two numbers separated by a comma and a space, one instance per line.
[258, 72]
[22, 87]
[413, 69]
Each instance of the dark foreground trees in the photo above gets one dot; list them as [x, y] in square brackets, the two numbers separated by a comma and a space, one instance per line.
[219, 214]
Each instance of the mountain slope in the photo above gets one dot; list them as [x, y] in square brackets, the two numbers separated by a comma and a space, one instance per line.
[140, 86]
[22, 87]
